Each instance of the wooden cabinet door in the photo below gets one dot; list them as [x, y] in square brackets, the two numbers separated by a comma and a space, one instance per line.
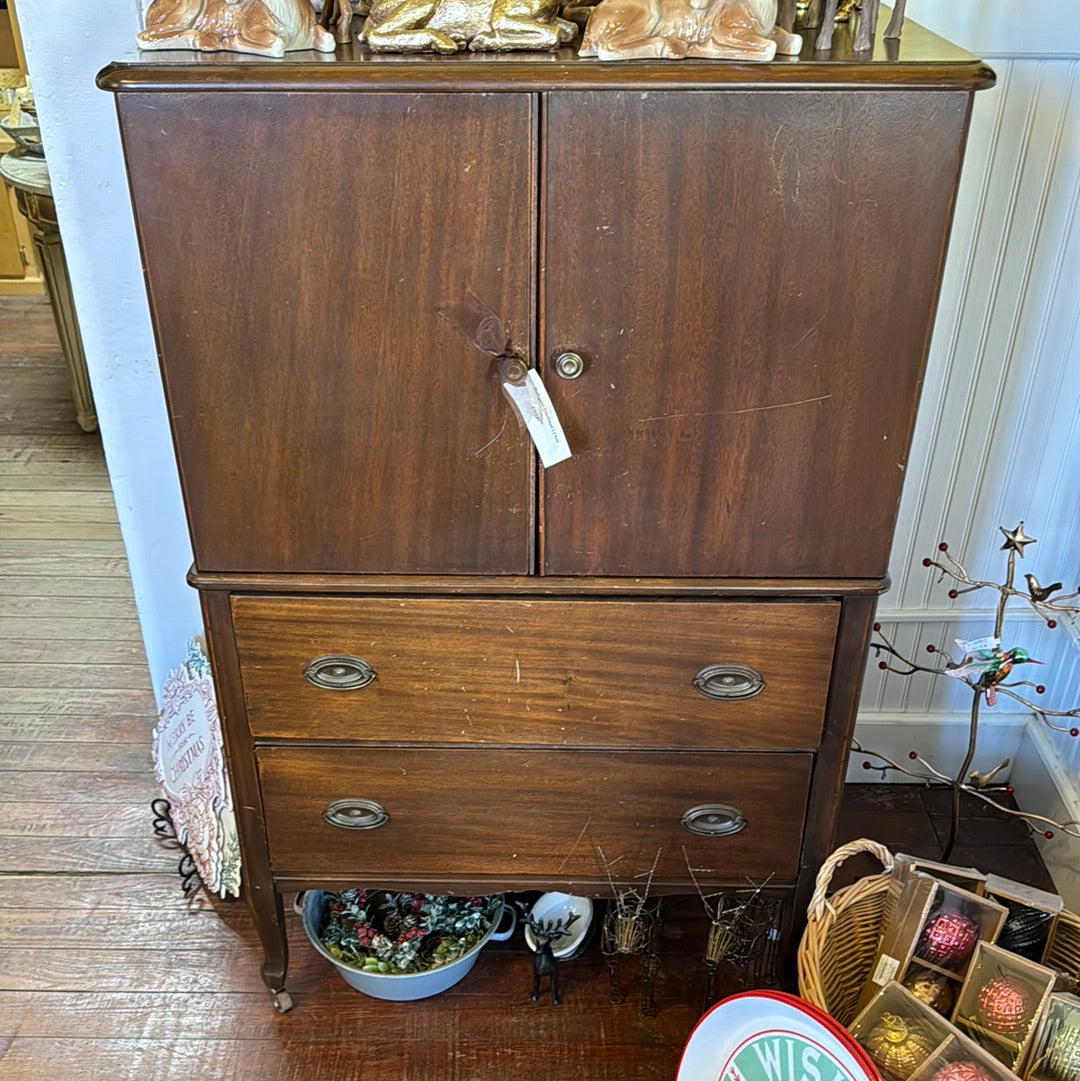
[751, 280]
[326, 417]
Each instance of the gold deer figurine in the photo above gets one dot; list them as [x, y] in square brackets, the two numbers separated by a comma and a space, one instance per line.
[447, 26]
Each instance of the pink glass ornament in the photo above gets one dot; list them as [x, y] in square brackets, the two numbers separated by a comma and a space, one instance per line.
[962, 1071]
[948, 938]
[1005, 1005]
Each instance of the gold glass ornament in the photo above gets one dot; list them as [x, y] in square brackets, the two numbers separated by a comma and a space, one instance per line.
[935, 990]
[898, 1045]
[1063, 1054]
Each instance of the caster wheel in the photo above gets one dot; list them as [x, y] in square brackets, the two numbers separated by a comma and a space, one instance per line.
[282, 1001]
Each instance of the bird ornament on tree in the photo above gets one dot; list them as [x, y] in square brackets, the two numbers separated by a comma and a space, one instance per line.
[984, 665]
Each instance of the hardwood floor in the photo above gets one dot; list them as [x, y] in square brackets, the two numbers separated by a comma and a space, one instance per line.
[107, 972]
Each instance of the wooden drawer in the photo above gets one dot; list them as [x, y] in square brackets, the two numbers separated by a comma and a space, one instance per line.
[604, 673]
[464, 812]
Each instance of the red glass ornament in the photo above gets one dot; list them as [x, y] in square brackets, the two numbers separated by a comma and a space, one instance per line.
[942, 547]
[927, 561]
[1005, 1005]
[948, 938]
[931, 648]
[1074, 732]
[1051, 623]
[962, 1071]
[953, 594]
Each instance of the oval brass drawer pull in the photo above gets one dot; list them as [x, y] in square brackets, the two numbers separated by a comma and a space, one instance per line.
[356, 814]
[713, 820]
[729, 682]
[339, 673]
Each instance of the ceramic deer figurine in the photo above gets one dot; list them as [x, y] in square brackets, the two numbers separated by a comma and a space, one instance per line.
[264, 27]
[714, 29]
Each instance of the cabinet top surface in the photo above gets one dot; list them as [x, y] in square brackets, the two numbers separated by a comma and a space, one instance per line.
[919, 60]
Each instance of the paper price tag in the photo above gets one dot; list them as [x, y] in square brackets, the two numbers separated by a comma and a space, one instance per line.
[531, 402]
[887, 968]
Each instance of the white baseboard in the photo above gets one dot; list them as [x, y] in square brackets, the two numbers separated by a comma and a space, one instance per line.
[940, 738]
[1045, 787]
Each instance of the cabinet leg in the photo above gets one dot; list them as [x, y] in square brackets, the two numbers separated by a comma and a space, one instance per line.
[268, 913]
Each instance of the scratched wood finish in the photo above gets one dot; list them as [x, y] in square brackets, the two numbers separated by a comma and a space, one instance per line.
[377, 435]
[516, 671]
[480, 813]
[767, 268]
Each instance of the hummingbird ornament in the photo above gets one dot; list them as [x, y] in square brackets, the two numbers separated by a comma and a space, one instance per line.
[984, 664]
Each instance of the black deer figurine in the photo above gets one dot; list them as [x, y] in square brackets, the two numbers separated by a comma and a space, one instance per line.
[545, 963]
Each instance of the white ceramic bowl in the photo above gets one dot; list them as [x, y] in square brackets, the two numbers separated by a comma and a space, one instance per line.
[560, 906]
[399, 986]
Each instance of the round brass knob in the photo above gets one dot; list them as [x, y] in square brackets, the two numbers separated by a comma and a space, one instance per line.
[569, 365]
[513, 370]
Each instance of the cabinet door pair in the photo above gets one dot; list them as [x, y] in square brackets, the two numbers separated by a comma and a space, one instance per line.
[748, 277]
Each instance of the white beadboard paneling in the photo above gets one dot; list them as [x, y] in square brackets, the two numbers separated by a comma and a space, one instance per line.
[940, 739]
[1045, 787]
[1001, 27]
[998, 437]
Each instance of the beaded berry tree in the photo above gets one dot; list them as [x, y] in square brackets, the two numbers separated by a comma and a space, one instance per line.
[984, 667]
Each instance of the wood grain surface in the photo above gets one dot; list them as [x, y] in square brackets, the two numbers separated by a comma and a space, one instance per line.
[540, 814]
[377, 435]
[600, 673]
[751, 280]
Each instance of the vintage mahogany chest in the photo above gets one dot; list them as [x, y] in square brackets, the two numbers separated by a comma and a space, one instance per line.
[439, 665]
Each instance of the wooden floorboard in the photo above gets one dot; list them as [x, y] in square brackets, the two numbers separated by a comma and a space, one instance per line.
[107, 971]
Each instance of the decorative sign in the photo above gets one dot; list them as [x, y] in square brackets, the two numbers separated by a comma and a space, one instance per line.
[189, 766]
[772, 1036]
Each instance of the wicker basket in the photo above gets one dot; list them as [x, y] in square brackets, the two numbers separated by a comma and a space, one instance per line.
[840, 942]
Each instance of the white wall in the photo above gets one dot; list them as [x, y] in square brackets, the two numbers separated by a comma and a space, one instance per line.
[65, 48]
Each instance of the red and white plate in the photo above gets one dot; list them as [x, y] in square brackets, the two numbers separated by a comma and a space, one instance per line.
[772, 1036]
